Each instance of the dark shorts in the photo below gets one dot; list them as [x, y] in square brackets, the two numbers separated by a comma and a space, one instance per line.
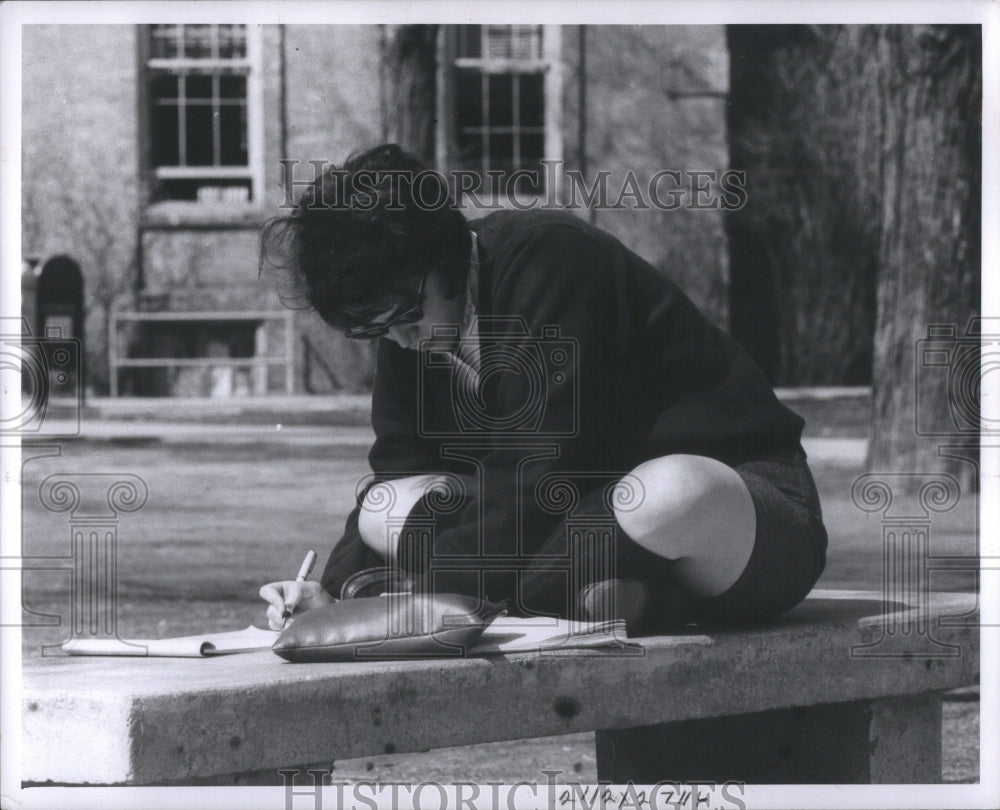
[789, 551]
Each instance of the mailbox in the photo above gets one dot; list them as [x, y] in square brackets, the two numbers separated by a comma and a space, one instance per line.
[59, 324]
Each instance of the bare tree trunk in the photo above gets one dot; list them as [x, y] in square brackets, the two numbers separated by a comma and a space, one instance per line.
[930, 88]
[804, 249]
[409, 87]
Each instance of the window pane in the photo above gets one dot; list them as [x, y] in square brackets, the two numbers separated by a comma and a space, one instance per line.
[532, 104]
[469, 44]
[199, 135]
[514, 42]
[532, 152]
[498, 41]
[233, 134]
[163, 87]
[232, 41]
[163, 41]
[501, 100]
[198, 41]
[526, 42]
[233, 87]
[198, 87]
[163, 134]
[532, 148]
[469, 98]
[501, 151]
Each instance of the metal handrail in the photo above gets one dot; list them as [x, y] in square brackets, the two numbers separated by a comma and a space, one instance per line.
[286, 359]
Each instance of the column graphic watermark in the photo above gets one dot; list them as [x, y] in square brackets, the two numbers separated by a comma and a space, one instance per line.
[94, 503]
[907, 503]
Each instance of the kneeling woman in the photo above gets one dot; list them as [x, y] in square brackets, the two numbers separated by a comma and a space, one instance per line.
[556, 424]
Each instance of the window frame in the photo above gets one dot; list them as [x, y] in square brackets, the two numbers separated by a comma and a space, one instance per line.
[549, 64]
[252, 63]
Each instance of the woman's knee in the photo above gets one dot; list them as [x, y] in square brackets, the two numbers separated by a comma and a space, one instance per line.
[386, 505]
[676, 500]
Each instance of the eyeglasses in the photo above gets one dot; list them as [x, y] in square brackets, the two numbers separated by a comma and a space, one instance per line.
[400, 318]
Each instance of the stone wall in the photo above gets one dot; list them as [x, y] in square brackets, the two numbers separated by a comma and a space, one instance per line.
[655, 100]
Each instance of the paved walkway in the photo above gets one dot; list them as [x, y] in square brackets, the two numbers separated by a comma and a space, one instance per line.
[848, 452]
[171, 432]
[302, 409]
[334, 420]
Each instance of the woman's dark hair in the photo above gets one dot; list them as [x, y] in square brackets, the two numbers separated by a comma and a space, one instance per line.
[362, 236]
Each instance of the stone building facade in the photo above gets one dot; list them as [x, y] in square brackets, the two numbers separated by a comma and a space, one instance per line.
[152, 155]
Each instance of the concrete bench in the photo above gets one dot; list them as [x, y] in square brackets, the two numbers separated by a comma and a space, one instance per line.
[834, 692]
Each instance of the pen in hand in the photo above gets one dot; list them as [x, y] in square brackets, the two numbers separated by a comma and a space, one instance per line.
[304, 570]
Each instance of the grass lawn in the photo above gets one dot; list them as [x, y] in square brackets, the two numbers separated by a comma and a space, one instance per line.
[222, 519]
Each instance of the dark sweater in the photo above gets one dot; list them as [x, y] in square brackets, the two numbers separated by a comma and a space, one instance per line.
[651, 376]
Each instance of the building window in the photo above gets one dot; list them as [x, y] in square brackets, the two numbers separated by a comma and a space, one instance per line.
[200, 88]
[503, 89]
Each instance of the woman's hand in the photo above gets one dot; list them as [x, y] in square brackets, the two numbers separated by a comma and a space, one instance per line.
[293, 597]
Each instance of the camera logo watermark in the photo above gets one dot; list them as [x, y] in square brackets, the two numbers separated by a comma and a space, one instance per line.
[952, 367]
[48, 371]
[533, 371]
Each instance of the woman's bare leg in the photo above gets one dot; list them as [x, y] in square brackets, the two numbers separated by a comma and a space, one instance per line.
[697, 511]
[395, 497]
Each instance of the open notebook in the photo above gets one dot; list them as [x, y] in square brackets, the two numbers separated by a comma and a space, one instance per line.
[513, 634]
[506, 634]
[200, 646]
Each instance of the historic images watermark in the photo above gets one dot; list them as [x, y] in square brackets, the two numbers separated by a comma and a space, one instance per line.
[551, 187]
[665, 795]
